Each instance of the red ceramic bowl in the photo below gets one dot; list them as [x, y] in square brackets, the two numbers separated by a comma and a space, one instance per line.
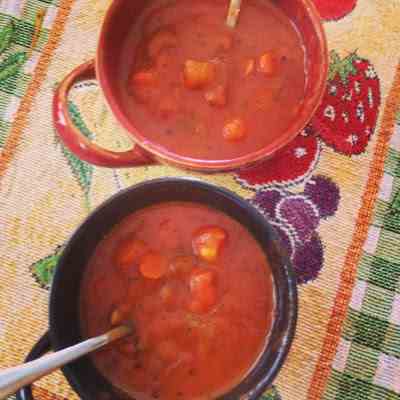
[117, 24]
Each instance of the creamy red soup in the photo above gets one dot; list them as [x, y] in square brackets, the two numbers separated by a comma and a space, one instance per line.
[202, 90]
[198, 291]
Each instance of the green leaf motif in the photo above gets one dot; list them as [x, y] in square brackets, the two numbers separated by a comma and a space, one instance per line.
[6, 36]
[271, 394]
[81, 170]
[342, 67]
[78, 121]
[11, 66]
[43, 270]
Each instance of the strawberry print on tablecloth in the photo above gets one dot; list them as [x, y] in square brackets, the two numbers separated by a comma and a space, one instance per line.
[291, 165]
[347, 116]
[334, 9]
[345, 121]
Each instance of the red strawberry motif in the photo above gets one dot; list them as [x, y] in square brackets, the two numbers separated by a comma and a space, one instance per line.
[334, 9]
[289, 166]
[348, 113]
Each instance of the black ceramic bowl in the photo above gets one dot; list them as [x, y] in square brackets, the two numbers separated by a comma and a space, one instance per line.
[64, 327]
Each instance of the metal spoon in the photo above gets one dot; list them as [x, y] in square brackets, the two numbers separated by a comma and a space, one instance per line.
[233, 13]
[13, 379]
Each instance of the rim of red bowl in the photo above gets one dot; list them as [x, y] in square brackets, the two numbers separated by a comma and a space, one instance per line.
[310, 106]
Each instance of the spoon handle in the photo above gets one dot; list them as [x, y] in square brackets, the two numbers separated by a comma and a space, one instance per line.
[233, 13]
[12, 379]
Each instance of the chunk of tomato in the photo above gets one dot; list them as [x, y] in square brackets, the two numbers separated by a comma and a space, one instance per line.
[208, 241]
[203, 291]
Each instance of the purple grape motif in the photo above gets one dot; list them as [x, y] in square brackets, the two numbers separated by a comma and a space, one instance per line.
[324, 193]
[299, 213]
[296, 218]
[285, 238]
[267, 201]
[308, 259]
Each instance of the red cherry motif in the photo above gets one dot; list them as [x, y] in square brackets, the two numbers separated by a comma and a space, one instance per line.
[334, 9]
[347, 116]
[289, 166]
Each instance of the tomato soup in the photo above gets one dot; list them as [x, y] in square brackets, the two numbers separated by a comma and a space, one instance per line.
[199, 292]
[202, 90]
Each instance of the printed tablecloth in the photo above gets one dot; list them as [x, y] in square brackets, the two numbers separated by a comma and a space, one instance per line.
[333, 193]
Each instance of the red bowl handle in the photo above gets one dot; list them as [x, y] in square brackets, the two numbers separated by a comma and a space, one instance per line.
[81, 146]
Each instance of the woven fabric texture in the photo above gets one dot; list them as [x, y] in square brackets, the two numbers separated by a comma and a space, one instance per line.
[333, 194]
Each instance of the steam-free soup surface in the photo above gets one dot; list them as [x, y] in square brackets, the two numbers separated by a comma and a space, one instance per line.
[202, 90]
[198, 290]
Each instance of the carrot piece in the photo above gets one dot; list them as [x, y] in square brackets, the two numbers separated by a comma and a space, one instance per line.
[208, 241]
[153, 265]
[144, 78]
[249, 67]
[198, 74]
[234, 130]
[216, 96]
[267, 64]
[161, 40]
[129, 251]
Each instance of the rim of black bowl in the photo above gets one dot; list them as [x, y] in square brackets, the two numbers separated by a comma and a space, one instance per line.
[278, 353]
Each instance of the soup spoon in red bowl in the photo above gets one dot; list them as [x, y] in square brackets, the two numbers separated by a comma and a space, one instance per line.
[233, 13]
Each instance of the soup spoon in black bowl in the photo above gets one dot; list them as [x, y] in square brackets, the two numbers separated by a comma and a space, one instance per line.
[13, 379]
